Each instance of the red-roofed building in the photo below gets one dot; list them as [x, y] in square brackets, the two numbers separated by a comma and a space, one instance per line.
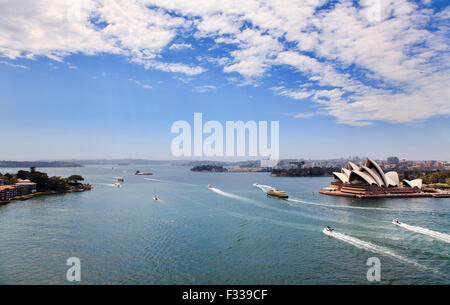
[7, 192]
[25, 188]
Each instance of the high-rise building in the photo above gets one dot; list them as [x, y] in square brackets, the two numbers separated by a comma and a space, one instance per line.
[393, 160]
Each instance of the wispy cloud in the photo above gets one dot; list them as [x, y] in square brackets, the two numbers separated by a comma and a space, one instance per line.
[205, 88]
[301, 115]
[72, 67]
[138, 83]
[13, 65]
[180, 46]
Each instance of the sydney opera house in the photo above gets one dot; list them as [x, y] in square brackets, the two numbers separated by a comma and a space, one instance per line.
[369, 181]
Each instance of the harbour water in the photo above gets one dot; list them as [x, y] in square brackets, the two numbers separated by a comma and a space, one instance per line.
[231, 234]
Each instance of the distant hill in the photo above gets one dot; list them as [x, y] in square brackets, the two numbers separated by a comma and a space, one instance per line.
[120, 162]
[26, 164]
[209, 168]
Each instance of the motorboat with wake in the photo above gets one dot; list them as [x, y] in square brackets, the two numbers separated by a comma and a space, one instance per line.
[210, 186]
[117, 184]
[139, 173]
[396, 222]
[328, 230]
[155, 198]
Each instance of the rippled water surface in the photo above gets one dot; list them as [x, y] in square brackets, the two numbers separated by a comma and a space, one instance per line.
[232, 234]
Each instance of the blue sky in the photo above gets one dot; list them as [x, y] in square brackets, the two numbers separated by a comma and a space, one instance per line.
[107, 79]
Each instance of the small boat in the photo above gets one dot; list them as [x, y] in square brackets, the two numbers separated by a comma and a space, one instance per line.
[328, 230]
[143, 174]
[396, 222]
[155, 198]
[210, 186]
[278, 194]
[120, 179]
[117, 184]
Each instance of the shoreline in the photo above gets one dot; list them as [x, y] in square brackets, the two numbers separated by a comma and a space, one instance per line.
[84, 188]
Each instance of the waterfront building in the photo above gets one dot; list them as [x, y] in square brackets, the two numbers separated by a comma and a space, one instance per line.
[7, 192]
[369, 180]
[393, 160]
[25, 188]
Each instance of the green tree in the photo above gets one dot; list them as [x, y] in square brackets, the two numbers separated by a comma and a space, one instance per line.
[23, 174]
[75, 179]
[41, 179]
[58, 184]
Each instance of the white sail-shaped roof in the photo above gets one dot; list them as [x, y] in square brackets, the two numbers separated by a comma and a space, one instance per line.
[392, 178]
[373, 165]
[414, 183]
[346, 172]
[341, 177]
[352, 166]
[364, 176]
[373, 174]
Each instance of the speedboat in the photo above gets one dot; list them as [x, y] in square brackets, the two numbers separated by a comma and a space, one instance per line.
[328, 230]
[396, 222]
[143, 174]
[155, 198]
[278, 194]
[210, 186]
[117, 184]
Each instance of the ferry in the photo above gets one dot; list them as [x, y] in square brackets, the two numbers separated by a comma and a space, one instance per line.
[279, 194]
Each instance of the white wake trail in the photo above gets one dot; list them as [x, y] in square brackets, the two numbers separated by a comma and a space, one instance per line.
[367, 246]
[267, 207]
[150, 179]
[437, 235]
[264, 188]
[352, 207]
[107, 184]
[167, 181]
[339, 206]
[220, 192]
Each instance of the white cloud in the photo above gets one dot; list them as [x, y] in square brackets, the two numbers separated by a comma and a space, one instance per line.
[302, 115]
[138, 83]
[295, 94]
[255, 54]
[13, 65]
[56, 29]
[180, 46]
[354, 67]
[175, 67]
[205, 88]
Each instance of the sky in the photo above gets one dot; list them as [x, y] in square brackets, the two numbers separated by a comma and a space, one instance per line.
[107, 78]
